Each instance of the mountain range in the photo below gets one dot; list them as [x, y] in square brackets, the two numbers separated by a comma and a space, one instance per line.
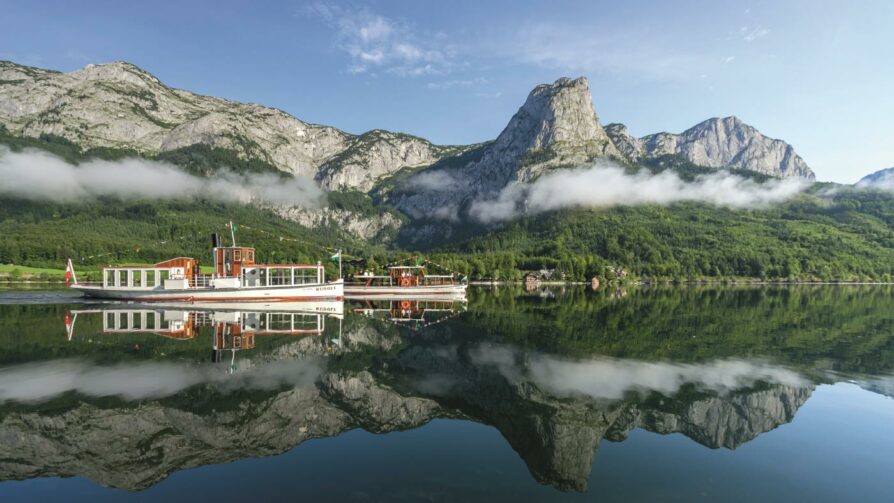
[390, 189]
[121, 106]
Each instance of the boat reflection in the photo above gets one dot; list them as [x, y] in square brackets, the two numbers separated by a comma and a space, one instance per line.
[233, 327]
[415, 313]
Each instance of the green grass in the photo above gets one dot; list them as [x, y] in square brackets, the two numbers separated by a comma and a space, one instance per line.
[9, 268]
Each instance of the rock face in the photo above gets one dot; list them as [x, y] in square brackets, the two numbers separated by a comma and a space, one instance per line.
[374, 156]
[881, 179]
[556, 126]
[118, 105]
[363, 227]
[716, 143]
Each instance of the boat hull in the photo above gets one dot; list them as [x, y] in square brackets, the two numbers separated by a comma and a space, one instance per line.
[354, 291]
[330, 291]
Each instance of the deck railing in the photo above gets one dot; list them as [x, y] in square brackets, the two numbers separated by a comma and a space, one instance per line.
[200, 281]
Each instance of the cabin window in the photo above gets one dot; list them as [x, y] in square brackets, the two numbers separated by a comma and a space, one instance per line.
[138, 278]
[110, 321]
[122, 321]
[305, 276]
[165, 275]
[279, 322]
[280, 276]
[151, 318]
[151, 279]
[237, 255]
[110, 277]
[122, 278]
[251, 255]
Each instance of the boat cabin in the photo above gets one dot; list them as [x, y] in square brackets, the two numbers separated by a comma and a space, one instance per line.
[173, 273]
[405, 276]
[234, 267]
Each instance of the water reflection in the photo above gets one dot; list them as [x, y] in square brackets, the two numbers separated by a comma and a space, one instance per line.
[556, 375]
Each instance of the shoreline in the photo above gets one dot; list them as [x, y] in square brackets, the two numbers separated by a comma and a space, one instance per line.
[686, 283]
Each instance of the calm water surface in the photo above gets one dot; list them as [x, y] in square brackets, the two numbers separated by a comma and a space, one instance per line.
[750, 394]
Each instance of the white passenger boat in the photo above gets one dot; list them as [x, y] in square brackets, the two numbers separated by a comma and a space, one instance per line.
[236, 277]
[404, 281]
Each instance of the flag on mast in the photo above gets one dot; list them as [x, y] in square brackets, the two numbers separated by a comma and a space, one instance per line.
[337, 258]
[230, 225]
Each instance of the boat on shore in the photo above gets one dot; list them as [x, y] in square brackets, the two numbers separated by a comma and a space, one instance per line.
[236, 277]
[403, 281]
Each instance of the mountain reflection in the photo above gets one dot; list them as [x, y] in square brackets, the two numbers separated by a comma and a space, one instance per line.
[554, 374]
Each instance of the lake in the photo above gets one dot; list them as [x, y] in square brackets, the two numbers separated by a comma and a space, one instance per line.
[554, 394]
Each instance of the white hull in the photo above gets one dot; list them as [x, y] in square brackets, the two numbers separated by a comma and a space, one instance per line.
[403, 292]
[317, 291]
[311, 306]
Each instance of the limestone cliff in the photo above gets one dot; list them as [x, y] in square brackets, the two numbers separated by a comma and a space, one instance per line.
[716, 143]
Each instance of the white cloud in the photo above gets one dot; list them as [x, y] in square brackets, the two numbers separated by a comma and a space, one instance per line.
[39, 175]
[439, 181]
[376, 42]
[750, 34]
[581, 49]
[449, 84]
[605, 185]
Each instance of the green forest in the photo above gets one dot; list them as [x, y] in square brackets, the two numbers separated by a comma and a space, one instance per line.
[829, 233]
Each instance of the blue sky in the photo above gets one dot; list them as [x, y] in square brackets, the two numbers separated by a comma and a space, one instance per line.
[817, 74]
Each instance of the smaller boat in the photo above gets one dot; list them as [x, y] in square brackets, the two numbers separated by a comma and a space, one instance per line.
[403, 281]
[236, 277]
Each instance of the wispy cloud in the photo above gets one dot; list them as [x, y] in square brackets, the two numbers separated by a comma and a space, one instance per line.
[606, 185]
[379, 43]
[750, 34]
[449, 84]
[41, 176]
[580, 49]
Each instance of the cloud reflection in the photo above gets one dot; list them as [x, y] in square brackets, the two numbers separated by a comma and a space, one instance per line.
[611, 378]
[35, 382]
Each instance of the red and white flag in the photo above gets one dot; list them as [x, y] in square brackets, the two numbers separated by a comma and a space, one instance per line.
[69, 273]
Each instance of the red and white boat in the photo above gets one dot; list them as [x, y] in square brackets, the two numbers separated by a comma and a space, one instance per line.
[403, 281]
[236, 277]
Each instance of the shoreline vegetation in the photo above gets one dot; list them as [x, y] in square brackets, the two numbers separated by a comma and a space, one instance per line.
[16, 274]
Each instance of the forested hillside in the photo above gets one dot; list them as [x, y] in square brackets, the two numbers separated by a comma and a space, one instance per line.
[848, 236]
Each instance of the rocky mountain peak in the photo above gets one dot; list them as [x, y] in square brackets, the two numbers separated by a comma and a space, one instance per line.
[725, 142]
[558, 117]
[120, 71]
